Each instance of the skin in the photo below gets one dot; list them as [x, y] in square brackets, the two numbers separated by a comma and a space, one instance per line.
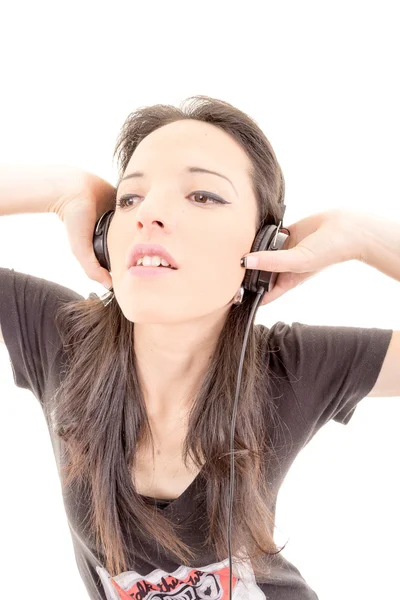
[178, 316]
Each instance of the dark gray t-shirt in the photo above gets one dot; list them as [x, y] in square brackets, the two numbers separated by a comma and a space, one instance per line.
[322, 372]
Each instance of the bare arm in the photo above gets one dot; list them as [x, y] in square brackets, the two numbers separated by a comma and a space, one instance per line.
[31, 188]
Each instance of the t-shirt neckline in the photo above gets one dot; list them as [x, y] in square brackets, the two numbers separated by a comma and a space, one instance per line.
[189, 491]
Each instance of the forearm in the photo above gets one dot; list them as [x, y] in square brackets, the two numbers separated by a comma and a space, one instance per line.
[380, 242]
[31, 188]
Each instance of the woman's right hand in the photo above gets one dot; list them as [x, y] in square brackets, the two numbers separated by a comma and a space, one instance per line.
[84, 198]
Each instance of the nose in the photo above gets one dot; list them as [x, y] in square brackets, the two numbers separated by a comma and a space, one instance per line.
[154, 213]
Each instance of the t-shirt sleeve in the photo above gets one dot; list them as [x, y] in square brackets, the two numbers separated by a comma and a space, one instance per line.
[330, 368]
[28, 306]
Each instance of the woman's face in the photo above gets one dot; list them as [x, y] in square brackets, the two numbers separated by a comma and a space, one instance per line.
[207, 239]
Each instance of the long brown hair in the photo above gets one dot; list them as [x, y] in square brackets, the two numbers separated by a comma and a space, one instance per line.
[99, 408]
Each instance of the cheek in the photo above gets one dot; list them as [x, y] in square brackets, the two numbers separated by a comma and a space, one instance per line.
[117, 244]
[218, 267]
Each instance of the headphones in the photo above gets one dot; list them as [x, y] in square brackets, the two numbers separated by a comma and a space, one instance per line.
[268, 237]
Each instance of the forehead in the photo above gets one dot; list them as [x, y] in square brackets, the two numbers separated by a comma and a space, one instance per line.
[191, 142]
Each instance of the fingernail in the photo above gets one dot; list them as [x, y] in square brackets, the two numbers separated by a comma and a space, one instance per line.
[250, 262]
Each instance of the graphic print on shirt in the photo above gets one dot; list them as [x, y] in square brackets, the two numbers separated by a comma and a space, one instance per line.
[185, 583]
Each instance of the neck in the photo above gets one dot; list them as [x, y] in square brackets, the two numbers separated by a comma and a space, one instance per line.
[173, 358]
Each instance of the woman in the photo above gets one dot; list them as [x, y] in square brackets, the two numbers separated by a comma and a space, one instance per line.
[138, 387]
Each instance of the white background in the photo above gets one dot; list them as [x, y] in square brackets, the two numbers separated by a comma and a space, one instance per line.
[321, 79]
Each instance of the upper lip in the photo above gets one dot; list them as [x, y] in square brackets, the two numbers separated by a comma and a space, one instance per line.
[139, 250]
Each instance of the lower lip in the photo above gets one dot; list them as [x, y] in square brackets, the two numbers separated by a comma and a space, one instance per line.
[149, 271]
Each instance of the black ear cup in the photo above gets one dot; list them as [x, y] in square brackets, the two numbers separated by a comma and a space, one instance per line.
[100, 240]
[269, 237]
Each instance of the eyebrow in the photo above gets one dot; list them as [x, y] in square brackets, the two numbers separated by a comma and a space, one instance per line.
[187, 170]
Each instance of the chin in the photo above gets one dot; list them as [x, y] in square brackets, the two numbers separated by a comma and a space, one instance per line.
[154, 316]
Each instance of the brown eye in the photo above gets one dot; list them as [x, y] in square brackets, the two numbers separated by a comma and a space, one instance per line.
[204, 197]
[207, 196]
[121, 203]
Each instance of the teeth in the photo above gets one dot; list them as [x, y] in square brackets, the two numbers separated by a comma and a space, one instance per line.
[152, 261]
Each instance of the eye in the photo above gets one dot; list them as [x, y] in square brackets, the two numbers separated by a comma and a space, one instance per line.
[214, 199]
[121, 203]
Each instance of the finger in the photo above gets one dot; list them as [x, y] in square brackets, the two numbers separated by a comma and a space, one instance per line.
[281, 287]
[80, 235]
[283, 283]
[281, 261]
[271, 296]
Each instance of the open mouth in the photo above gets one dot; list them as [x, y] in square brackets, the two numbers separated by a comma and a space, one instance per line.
[152, 267]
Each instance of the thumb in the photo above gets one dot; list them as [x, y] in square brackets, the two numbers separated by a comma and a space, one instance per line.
[279, 261]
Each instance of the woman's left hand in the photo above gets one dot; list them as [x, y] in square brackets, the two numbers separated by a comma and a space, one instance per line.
[315, 243]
